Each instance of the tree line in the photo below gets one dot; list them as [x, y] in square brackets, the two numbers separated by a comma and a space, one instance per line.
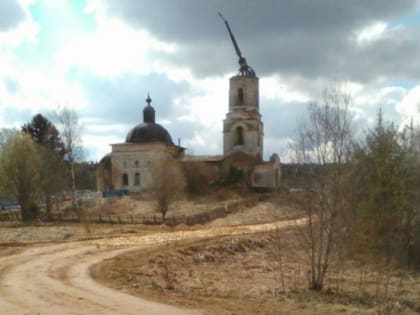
[362, 193]
[41, 160]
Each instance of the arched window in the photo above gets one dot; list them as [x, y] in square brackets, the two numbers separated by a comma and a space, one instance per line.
[136, 164]
[240, 96]
[137, 179]
[239, 136]
[125, 180]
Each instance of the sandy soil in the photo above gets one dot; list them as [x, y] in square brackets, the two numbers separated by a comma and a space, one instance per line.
[55, 278]
[45, 232]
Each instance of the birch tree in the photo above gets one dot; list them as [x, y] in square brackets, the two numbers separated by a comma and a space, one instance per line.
[71, 132]
[321, 148]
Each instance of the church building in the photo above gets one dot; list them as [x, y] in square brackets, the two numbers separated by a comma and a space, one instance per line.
[130, 164]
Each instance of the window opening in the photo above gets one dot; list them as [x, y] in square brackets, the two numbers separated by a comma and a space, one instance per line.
[240, 96]
[137, 179]
[239, 136]
[125, 179]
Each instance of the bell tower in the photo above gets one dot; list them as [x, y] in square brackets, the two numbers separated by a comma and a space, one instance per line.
[242, 127]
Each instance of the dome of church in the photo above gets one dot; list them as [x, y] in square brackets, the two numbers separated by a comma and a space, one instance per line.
[106, 159]
[148, 131]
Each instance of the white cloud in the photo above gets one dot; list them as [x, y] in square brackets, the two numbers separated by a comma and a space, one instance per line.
[409, 106]
[211, 105]
[371, 33]
[39, 90]
[379, 96]
[113, 49]
[97, 146]
[273, 88]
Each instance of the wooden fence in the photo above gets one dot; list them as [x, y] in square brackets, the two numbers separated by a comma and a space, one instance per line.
[197, 218]
[10, 216]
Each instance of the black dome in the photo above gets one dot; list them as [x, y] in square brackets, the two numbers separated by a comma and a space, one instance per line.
[148, 132]
[106, 159]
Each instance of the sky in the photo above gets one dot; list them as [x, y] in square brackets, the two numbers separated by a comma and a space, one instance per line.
[102, 57]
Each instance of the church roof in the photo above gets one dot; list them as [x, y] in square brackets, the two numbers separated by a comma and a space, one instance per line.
[105, 159]
[149, 130]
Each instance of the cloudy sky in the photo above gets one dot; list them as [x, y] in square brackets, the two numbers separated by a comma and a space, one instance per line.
[102, 57]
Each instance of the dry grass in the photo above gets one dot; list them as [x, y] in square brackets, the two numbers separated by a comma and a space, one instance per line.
[146, 206]
[242, 275]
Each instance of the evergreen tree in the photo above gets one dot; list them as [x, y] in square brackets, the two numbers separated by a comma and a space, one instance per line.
[385, 192]
[44, 132]
[52, 166]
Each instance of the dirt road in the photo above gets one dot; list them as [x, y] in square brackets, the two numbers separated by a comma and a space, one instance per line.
[55, 278]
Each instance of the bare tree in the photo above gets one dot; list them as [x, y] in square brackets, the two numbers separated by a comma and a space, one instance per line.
[70, 130]
[169, 183]
[5, 134]
[321, 149]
